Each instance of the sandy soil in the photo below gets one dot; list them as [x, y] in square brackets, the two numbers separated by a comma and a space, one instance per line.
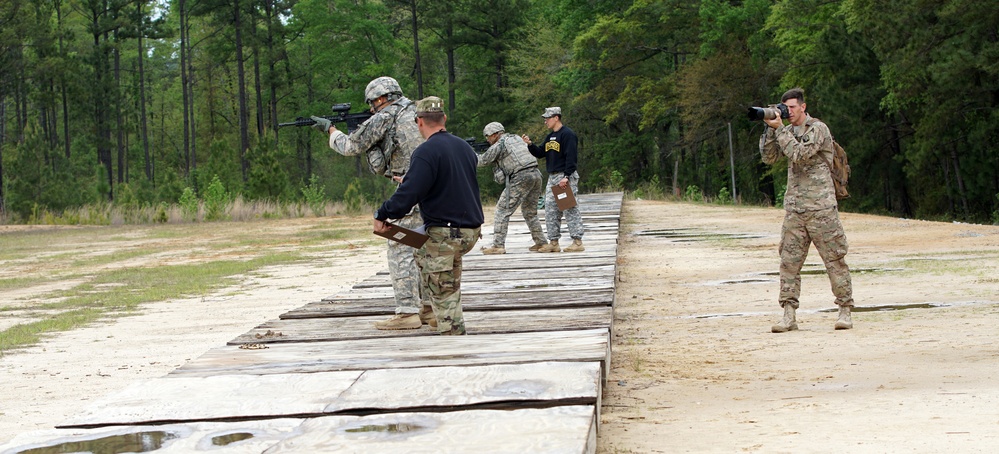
[695, 367]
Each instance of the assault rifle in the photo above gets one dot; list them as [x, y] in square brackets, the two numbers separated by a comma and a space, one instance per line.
[340, 115]
[479, 147]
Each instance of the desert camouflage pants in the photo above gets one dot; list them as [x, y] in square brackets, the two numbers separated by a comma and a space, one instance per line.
[553, 216]
[403, 271]
[522, 189]
[823, 229]
[440, 273]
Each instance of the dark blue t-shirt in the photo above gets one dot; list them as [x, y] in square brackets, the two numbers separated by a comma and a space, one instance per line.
[559, 150]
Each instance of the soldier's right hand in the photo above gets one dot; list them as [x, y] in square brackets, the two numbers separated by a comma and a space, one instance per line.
[322, 124]
[527, 139]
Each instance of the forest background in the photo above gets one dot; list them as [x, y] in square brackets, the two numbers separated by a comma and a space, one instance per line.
[152, 104]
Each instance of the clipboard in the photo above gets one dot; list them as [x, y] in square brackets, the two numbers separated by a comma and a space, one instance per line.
[410, 238]
[563, 197]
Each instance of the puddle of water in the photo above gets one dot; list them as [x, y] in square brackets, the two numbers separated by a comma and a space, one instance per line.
[116, 444]
[223, 440]
[388, 428]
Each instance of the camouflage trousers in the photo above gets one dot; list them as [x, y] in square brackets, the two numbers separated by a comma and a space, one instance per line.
[403, 271]
[823, 229]
[553, 216]
[440, 273]
[522, 189]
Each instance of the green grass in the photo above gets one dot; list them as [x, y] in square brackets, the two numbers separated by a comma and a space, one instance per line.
[117, 269]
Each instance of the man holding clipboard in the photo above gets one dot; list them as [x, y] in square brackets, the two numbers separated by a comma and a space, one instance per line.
[442, 180]
[560, 153]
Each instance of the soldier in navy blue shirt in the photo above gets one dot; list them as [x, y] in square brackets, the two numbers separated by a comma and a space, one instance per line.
[560, 153]
[442, 180]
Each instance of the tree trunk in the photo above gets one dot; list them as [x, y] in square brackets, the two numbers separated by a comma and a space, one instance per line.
[119, 124]
[190, 95]
[62, 84]
[451, 78]
[142, 96]
[258, 87]
[184, 81]
[961, 191]
[418, 67]
[244, 134]
[3, 140]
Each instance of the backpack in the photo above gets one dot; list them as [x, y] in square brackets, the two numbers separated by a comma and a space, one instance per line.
[840, 170]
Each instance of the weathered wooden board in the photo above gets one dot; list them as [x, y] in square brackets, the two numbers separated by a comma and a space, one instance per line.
[173, 399]
[243, 437]
[405, 352]
[507, 385]
[491, 301]
[554, 272]
[490, 322]
[570, 429]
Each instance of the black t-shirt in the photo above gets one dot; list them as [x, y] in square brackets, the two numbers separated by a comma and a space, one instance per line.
[442, 179]
[559, 151]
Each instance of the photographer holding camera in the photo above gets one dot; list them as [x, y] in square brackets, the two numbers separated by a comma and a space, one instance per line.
[811, 212]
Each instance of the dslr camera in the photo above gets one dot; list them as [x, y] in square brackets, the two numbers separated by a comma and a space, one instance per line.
[769, 113]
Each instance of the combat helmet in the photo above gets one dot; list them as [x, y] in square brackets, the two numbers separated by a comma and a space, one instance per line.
[380, 87]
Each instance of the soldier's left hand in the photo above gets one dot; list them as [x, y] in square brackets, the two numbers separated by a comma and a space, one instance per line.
[563, 182]
[380, 226]
[322, 124]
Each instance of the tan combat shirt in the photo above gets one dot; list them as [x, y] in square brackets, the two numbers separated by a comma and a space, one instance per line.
[809, 153]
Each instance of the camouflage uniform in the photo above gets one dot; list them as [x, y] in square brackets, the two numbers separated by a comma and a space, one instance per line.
[553, 215]
[440, 261]
[388, 139]
[523, 186]
[811, 210]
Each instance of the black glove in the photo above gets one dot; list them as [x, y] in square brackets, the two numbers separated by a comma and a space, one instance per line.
[322, 124]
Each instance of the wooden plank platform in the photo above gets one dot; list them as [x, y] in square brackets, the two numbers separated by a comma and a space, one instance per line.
[347, 306]
[171, 399]
[489, 322]
[404, 352]
[527, 378]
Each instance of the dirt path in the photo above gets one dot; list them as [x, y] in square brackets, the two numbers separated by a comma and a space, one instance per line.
[695, 368]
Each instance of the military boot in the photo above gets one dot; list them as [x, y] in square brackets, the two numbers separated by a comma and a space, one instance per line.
[788, 323]
[536, 247]
[494, 250]
[400, 321]
[427, 316]
[577, 246]
[552, 246]
[844, 321]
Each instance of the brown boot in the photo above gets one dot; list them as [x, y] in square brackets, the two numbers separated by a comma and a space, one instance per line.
[552, 246]
[788, 323]
[400, 321]
[577, 246]
[427, 316]
[844, 321]
[536, 247]
[494, 250]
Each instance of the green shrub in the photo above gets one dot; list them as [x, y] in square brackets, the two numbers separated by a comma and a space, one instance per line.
[724, 197]
[693, 194]
[353, 198]
[217, 200]
[189, 204]
[315, 196]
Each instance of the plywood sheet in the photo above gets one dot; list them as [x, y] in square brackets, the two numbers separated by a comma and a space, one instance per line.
[354, 305]
[489, 322]
[511, 385]
[190, 398]
[567, 430]
[405, 352]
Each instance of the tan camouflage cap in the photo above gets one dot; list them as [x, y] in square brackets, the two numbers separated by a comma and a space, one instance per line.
[492, 128]
[551, 112]
[430, 104]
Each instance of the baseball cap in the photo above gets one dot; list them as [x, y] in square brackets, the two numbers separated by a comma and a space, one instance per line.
[551, 112]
